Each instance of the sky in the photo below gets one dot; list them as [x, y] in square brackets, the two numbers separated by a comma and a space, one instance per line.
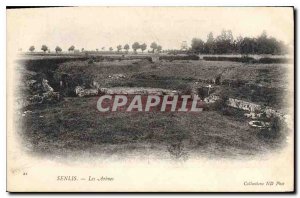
[97, 27]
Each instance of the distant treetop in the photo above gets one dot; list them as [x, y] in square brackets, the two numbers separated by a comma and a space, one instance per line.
[32, 48]
[225, 43]
[44, 48]
[72, 48]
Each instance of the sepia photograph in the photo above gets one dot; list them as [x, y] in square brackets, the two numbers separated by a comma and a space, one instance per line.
[150, 99]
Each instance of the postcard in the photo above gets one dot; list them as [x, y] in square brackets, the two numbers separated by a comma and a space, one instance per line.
[150, 99]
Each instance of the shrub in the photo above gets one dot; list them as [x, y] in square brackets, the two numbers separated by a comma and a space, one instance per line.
[243, 59]
[172, 58]
[221, 104]
[247, 59]
[277, 127]
[274, 60]
[90, 61]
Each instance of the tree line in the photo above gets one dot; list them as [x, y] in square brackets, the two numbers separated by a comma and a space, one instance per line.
[226, 44]
[135, 47]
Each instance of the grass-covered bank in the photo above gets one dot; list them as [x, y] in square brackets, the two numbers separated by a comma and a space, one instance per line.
[76, 125]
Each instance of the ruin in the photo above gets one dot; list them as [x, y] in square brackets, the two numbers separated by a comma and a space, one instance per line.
[81, 92]
[259, 124]
[241, 104]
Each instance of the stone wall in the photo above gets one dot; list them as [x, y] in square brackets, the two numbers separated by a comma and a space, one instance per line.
[257, 110]
[81, 91]
[240, 104]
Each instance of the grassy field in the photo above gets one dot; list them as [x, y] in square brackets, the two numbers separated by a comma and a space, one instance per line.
[270, 75]
[74, 124]
[260, 83]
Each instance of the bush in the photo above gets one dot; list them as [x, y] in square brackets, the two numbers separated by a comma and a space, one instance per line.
[247, 59]
[274, 60]
[221, 104]
[243, 59]
[172, 58]
[275, 131]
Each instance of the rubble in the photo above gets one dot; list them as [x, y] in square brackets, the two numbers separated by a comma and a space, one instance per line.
[254, 111]
[48, 97]
[240, 104]
[81, 92]
[259, 124]
[138, 90]
[253, 115]
[211, 99]
[36, 99]
[46, 87]
[30, 83]
[51, 96]
[95, 85]
[26, 112]
[116, 76]
[44, 93]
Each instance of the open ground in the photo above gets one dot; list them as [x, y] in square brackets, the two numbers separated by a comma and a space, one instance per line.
[74, 123]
